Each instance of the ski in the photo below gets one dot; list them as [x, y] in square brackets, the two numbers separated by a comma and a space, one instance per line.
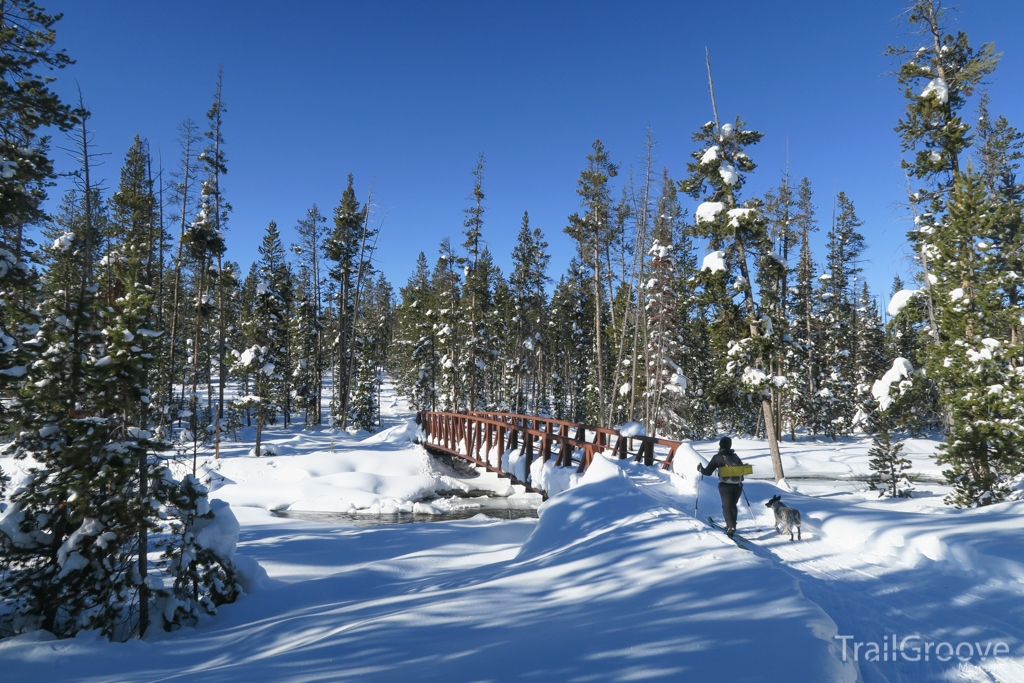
[736, 538]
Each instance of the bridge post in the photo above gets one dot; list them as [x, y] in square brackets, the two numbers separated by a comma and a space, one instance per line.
[467, 434]
[528, 450]
[621, 447]
[671, 456]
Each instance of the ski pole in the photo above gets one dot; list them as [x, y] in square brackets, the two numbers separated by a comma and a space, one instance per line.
[696, 502]
[749, 509]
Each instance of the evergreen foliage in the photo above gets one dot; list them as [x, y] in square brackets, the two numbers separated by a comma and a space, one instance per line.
[887, 458]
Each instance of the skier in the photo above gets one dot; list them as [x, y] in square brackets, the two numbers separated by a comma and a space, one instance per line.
[730, 488]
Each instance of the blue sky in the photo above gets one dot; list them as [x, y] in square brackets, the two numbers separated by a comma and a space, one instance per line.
[405, 95]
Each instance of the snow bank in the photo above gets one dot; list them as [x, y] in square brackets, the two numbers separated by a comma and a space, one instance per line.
[711, 610]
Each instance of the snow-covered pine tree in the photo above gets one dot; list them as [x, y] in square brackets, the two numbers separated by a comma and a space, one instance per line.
[887, 458]
[415, 361]
[274, 272]
[342, 247]
[56, 423]
[526, 285]
[975, 360]
[781, 209]
[804, 353]
[380, 308]
[594, 233]
[28, 106]
[959, 240]
[364, 409]
[839, 319]
[740, 333]
[202, 577]
[501, 387]
[570, 344]
[373, 338]
[671, 346]
[312, 231]
[203, 241]
[305, 331]
[907, 336]
[476, 296]
[125, 384]
[482, 279]
[446, 285]
[870, 359]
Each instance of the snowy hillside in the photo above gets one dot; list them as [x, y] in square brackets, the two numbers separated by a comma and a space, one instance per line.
[617, 579]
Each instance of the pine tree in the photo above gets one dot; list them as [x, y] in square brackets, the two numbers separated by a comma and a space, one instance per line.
[215, 163]
[274, 273]
[183, 193]
[446, 285]
[593, 233]
[28, 106]
[305, 334]
[804, 357]
[839, 319]
[312, 232]
[416, 360]
[870, 359]
[668, 296]
[963, 238]
[570, 344]
[344, 247]
[476, 295]
[907, 336]
[529, 300]
[974, 361]
[887, 457]
[742, 336]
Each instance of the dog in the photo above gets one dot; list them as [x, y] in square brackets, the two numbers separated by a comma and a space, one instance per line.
[785, 516]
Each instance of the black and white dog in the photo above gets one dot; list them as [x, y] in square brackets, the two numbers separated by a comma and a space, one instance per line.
[785, 516]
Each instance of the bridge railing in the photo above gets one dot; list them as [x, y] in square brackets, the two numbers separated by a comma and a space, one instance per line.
[483, 437]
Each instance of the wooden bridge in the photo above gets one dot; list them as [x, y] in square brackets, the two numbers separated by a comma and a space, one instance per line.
[483, 438]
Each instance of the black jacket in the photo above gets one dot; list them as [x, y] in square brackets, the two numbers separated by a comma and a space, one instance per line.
[726, 458]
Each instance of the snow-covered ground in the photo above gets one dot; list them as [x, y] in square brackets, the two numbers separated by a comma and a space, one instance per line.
[617, 580]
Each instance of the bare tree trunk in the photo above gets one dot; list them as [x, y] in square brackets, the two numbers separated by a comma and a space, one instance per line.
[599, 355]
[187, 142]
[143, 545]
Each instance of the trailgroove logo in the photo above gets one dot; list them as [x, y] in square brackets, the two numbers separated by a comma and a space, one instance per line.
[914, 648]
